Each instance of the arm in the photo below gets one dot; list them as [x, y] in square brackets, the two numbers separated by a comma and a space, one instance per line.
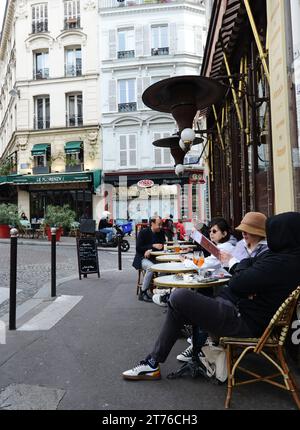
[143, 242]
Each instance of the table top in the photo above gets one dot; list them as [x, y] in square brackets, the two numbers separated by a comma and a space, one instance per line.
[173, 281]
[168, 257]
[171, 268]
[181, 246]
[162, 252]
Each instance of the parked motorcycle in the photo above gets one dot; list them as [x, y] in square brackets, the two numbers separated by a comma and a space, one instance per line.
[101, 239]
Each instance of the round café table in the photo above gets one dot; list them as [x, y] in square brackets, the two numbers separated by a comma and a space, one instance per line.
[171, 268]
[173, 281]
[162, 252]
[169, 257]
[181, 246]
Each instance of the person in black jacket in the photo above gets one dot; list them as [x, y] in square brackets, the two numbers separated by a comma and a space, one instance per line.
[149, 239]
[245, 307]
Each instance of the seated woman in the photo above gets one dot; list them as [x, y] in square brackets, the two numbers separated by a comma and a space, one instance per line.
[253, 228]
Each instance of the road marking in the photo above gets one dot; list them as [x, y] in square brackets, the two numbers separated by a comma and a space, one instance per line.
[4, 294]
[50, 316]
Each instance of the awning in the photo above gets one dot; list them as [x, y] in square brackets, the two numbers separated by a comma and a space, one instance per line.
[72, 147]
[40, 148]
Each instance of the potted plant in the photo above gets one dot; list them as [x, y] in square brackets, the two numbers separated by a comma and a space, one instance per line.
[60, 217]
[9, 217]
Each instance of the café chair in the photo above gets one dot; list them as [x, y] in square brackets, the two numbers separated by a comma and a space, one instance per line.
[270, 346]
[141, 274]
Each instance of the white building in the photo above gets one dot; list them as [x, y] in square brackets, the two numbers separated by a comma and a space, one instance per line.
[142, 42]
[49, 114]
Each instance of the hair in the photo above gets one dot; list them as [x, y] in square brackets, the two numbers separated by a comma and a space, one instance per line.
[223, 225]
[153, 219]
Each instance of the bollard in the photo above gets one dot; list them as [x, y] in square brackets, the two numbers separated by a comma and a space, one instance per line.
[119, 252]
[53, 262]
[13, 278]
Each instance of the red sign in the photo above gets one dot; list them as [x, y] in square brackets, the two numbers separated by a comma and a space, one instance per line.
[197, 177]
[145, 183]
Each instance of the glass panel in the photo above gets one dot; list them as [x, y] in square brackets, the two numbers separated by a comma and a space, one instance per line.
[123, 158]
[132, 141]
[167, 156]
[164, 37]
[122, 91]
[121, 39]
[131, 90]
[132, 158]
[157, 155]
[155, 37]
[123, 143]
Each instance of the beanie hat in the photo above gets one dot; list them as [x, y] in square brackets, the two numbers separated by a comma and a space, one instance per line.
[253, 223]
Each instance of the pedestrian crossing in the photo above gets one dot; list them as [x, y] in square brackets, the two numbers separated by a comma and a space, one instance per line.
[52, 314]
[4, 294]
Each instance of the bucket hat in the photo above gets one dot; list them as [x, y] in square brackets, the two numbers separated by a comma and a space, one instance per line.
[253, 223]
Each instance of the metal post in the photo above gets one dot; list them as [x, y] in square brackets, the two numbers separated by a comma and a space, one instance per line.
[13, 278]
[53, 262]
[119, 252]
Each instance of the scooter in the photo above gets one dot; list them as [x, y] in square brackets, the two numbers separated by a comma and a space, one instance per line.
[118, 235]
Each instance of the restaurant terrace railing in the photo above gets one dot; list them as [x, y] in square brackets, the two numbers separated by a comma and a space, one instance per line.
[104, 4]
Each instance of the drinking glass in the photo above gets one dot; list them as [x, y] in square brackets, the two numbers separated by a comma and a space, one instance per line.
[196, 256]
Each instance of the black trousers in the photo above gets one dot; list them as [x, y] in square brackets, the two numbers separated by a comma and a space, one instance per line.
[213, 315]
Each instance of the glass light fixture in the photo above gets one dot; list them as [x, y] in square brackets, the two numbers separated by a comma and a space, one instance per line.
[187, 135]
[179, 169]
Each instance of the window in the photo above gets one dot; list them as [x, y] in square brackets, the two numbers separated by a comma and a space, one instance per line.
[160, 43]
[128, 156]
[39, 17]
[127, 95]
[74, 110]
[42, 112]
[41, 65]
[126, 43]
[73, 62]
[72, 14]
[162, 156]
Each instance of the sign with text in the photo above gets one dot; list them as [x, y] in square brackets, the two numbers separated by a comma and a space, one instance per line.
[206, 244]
[87, 256]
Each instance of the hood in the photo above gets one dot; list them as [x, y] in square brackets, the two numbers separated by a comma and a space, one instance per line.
[283, 232]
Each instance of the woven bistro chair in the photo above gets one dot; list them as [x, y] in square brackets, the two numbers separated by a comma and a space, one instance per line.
[270, 345]
[141, 274]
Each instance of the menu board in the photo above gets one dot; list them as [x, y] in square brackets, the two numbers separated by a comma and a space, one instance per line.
[87, 256]
[206, 244]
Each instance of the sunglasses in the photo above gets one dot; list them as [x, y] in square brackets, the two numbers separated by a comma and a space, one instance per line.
[213, 231]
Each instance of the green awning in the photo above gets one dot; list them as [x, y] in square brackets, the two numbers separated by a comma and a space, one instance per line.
[40, 148]
[72, 147]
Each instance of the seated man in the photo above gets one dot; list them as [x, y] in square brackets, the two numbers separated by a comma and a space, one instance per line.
[149, 239]
[245, 307]
[105, 226]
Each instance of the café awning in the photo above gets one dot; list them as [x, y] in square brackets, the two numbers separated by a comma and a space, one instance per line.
[40, 149]
[73, 147]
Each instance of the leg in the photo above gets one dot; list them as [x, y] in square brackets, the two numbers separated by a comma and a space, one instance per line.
[146, 264]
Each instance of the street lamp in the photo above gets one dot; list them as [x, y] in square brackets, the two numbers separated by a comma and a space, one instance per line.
[14, 93]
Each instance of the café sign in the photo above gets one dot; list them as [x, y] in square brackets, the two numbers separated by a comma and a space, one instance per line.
[145, 183]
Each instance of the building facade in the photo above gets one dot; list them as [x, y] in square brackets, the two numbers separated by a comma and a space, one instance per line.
[49, 116]
[142, 42]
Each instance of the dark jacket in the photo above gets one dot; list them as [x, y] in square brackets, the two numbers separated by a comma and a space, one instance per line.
[146, 238]
[103, 223]
[261, 284]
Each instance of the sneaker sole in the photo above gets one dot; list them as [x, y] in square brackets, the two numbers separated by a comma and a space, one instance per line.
[142, 377]
[184, 360]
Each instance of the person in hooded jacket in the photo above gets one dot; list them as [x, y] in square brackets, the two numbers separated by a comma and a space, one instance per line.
[245, 307]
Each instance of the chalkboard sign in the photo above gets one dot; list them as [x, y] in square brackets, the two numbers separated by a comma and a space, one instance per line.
[87, 256]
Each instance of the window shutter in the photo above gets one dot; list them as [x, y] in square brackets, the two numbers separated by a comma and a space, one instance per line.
[112, 43]
[139, 41]
[112, 96]
[146, 40]
[167, 156]
[139, 85]
[198, 41]
[132, 150]
[173, 38]
[157, 156]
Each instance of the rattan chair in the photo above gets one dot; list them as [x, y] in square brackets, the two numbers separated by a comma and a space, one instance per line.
[141, 274]
[270, 345]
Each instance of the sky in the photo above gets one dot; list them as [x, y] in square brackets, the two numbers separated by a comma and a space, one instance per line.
[2, 9]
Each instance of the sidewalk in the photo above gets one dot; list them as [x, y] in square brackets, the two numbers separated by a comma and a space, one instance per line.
[77, 363]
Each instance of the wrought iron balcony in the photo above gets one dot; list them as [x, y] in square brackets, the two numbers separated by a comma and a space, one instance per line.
[41, 74]
[71, 22]
[71, 70]
[127, 107]
[40, 26]
[74, 120]
[40, 124]
[41, 169]
[160, 51]
[75, 167]
[126, 54]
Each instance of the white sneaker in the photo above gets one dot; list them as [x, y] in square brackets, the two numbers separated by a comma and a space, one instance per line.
[158, 299]
[143, 371]
[186, 355]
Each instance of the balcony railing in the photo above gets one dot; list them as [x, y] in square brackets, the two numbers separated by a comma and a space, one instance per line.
[105, 4]
[72, 22]
[127, 107]
[40, 124]
[160, 51]
[75, 168]
[126, 54]
[41, 74]
[40, 26]
[73, 70]
[40, 169]
[74, 120]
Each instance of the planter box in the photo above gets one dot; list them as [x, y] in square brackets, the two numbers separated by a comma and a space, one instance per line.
[41, 169]
[4, 231]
